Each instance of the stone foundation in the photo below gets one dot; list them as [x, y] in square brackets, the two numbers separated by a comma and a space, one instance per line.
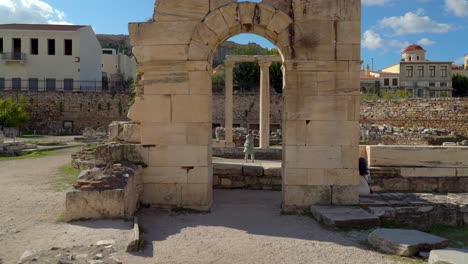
[118, 203]
[246, 176]
[418, 210]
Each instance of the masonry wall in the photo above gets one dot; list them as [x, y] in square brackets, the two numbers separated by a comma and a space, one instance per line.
[50, 110]
[449, 113]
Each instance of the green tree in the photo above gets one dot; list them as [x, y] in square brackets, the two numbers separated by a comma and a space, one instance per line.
[13, 112]
[246, 74]
[460, 85]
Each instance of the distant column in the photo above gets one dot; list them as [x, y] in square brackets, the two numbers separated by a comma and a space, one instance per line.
[265, 104]
[228, 118]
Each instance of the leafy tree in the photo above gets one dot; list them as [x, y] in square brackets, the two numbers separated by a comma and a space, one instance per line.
[460, 85]
[13, 112]
[247, 74]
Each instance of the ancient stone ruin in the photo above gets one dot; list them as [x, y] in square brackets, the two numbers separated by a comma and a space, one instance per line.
[171, 127]
[319, 42]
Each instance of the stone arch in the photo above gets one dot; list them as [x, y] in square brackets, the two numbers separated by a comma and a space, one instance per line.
[320, 45]
[235, 18]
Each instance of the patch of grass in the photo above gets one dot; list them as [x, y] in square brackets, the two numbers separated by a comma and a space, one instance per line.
[186, 211]
[407, 260]
[60, 218]
[36, 154]
[65, 178]
[458, 235]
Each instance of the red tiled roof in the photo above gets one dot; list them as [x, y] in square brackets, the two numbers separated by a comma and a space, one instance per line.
[413, 47]
[42, 27]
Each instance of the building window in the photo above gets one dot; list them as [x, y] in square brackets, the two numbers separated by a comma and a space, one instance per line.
[16, 84]
[386, 82]
[33, 84]
[409, 71]
[420, 71]
[34, 46]
[432, 71]
[51, 46]
[16, 49]
[432, 94]
[68, 85]
[420, 93]
[2, 84]
[394, 82]
[50, 84]
[443, 84]
[432, 84]
[443, 71]
[1, 45]
[68, 47]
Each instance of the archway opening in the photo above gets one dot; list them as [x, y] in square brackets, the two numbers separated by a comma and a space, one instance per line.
[247, 84]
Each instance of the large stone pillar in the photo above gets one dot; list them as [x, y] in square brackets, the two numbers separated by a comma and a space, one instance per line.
[228, 118]
[264, 104]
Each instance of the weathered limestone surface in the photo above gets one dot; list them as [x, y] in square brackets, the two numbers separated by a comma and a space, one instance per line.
[319, 42]
[405, 242]
[338, 216]
[448, 256]
[119, 203]
[412, 156]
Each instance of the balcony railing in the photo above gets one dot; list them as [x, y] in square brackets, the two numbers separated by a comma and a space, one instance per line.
[14, 57]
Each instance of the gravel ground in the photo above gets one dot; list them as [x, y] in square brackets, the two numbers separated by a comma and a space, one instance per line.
[243, 227]
[246, 227]
[29, 209]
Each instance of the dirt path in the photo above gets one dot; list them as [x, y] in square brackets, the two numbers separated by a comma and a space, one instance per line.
[29, 209]
[246, 227]
[243, 227]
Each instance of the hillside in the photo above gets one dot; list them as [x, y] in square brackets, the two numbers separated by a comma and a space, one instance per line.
[122, 43]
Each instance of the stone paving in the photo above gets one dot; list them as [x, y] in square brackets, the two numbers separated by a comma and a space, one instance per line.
[418, 210]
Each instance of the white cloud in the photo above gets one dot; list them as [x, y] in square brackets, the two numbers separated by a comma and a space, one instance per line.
[374, 2]
[426, 42]
[460, 61]
[30, 11]
[413, 23]
[458, 7]
[372, 40]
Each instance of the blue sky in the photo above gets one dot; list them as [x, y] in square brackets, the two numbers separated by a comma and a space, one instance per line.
[441, 26]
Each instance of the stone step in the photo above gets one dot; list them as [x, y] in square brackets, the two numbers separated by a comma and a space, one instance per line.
[344, 216]
[449, 255]
[405, 242]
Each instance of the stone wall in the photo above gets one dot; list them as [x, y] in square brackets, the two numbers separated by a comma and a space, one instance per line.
[247, 109]
[49, 111]
[447, 113]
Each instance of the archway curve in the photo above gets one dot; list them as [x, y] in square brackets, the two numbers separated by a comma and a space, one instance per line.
[244, 17]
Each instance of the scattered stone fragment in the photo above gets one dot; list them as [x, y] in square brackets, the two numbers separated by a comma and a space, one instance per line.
[405, 242]
[105, 242]
[343, 216]
[449, 256]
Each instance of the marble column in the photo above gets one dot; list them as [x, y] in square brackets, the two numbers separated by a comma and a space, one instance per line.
[264, 104]
[228, 118]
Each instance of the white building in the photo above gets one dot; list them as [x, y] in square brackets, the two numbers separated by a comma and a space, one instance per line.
[419, 76]
[117, 67]
[49, 57]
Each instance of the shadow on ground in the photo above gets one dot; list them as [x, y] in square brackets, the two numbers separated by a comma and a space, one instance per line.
[236, 213]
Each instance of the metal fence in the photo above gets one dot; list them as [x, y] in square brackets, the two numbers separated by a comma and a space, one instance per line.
[66, 85]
